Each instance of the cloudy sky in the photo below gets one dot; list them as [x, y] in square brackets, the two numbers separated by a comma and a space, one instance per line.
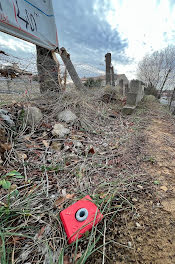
[90, 28]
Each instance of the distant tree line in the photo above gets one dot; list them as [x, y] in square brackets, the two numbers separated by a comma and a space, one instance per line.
[157, 71]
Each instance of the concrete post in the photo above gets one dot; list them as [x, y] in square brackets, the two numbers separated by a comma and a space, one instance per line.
[135, 86]
[121, 86]
[70, 68]
[112, 75]
[65, 79]
[108, 68]
[126, 88]
[134, 96]
[121, 83]
[47, 70]
[8, 84]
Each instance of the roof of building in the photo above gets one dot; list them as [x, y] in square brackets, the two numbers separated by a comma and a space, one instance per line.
[103, 77]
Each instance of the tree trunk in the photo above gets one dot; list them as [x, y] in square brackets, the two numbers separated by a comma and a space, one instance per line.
[47, 71]
[172, 97]
[166, 77]
[70, 68]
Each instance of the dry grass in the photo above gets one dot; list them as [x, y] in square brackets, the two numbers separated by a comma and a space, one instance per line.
[31, 230]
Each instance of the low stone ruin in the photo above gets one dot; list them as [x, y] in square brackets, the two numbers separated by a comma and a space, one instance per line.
[134, 95]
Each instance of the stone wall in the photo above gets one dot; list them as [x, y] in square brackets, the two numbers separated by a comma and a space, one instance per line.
[134, 96]
[136, 92]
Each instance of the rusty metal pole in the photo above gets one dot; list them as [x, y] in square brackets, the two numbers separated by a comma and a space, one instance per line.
[71, 70]
[108, 68]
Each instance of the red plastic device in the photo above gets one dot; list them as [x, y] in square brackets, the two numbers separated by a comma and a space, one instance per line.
[75, 229]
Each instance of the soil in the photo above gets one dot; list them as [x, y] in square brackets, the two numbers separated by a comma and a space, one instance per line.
[158, 244]
[150, 233]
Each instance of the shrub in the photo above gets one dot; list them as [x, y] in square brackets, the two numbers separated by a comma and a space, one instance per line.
[149, 98]
[93, 83]
[111, 93]
[151, 90]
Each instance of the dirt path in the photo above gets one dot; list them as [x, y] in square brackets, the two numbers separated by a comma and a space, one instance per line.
[160, 239]
[155, 241]
[162, 148]
[149, 232]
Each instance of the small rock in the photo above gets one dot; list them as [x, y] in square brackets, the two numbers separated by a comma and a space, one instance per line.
[64, 192]
[77, 147]
[46, 143]
[105, 145]
[67, 148]
[140, 187]
[67, 116]
[134, 200]
[138, 225]
[164, 188]
[32, 115]
[129, 244]
[60, 131]
[5, 115]
[77, 144]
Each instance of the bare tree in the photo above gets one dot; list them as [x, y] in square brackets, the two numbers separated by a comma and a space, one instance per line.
[149, 69]
[157, 69]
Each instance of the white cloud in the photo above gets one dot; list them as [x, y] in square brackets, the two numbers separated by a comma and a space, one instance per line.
[15, 44]
[144, 24]
[148, 25]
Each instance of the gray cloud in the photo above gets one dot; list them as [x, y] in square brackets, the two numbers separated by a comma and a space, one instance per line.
[85, 32]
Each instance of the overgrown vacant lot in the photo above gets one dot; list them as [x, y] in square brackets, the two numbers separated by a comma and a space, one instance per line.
[125, 163]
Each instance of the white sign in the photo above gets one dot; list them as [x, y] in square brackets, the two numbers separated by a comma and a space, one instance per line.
[31, 20]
